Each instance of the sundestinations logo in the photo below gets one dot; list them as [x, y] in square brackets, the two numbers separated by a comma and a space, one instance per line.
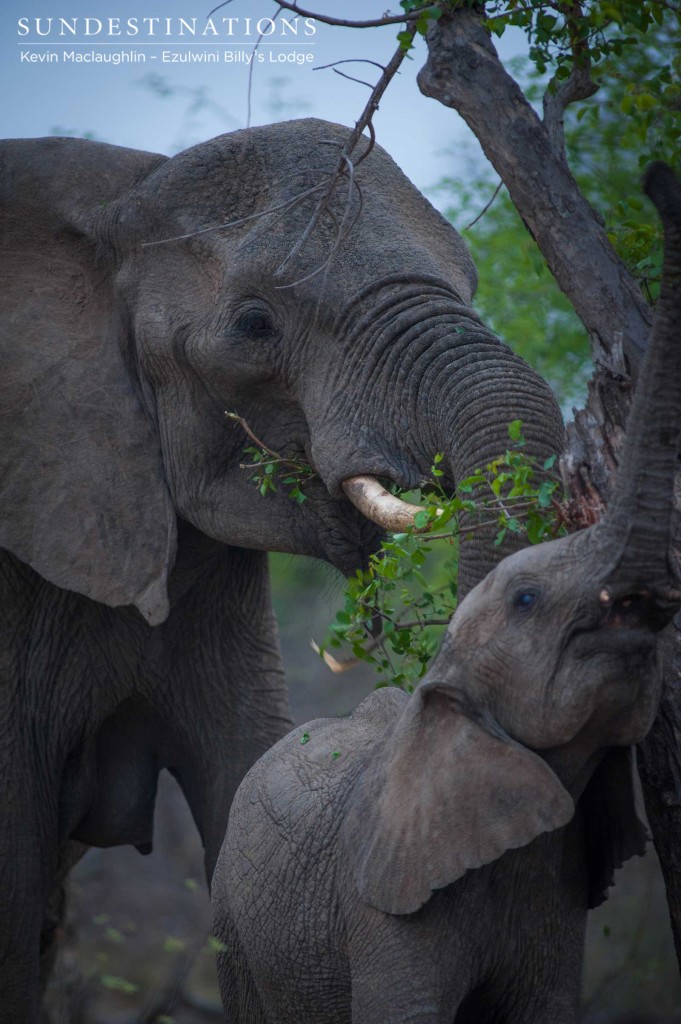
[38, 29]
[165, 40]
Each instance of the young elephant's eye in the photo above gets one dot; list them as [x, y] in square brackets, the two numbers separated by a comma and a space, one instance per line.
[525, 599]
[256, 323]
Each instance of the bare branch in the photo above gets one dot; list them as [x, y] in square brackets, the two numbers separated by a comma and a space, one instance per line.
[245, 427]
[485, 208]
[249, 92]
[315, 218]
[344, 164]
[327, 19]
[242, 220]
[351, 78]
[351, 60]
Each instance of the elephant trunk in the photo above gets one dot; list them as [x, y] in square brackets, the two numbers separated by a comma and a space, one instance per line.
[484, 389]
[639, 516]
[439, 381]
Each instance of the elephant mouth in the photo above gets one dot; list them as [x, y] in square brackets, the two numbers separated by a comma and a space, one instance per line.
[640, 611]
[349, 539]
[627, 642]
[627, 628]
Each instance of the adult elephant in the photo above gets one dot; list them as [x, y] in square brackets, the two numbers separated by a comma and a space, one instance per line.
[138, 632]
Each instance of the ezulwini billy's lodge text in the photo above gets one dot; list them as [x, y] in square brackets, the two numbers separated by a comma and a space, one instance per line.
[214, 55]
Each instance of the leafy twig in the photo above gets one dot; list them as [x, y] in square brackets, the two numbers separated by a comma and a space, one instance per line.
[298, 471]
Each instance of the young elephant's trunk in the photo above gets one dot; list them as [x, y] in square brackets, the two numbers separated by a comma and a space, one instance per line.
[639, 516]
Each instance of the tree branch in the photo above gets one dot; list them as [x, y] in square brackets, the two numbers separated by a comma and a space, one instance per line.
[344, 164]
[328, 19]
[578, 86]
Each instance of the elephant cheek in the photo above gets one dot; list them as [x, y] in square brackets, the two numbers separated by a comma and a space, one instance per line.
[551, 720]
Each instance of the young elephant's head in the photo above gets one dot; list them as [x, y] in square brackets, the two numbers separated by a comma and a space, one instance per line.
[553, 652]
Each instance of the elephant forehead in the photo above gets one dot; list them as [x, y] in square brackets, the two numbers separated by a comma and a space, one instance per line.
[297, 781]
[255, 180]
[319, 753]
[322, 751]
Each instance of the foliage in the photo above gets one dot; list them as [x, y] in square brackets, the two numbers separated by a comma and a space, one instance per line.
[268, 473]
[590, 32]
[632, 51]
[633, 119]
[409, 586]
[393, 607]
[427, 12]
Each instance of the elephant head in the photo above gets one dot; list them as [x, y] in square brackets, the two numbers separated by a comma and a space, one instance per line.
[123, 356]
[548, 663]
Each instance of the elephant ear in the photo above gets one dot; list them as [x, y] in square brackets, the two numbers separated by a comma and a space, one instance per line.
[82, 492]
[613, 830]
[447, 793]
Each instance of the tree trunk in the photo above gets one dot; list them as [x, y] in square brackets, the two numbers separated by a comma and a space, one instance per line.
[463, 72]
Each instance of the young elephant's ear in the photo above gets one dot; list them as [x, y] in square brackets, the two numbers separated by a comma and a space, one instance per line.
[446, 793]
[83, 498]
[613, 830]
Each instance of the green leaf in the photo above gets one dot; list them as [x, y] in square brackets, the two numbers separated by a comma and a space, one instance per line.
[545, 494]
[215, 945]
[173, 945]
[115, 984]
[515, 429]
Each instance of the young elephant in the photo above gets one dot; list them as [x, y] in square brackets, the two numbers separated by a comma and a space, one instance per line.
[431, 858]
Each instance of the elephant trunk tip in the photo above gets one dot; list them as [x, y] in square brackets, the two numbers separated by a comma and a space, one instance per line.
[650, 607]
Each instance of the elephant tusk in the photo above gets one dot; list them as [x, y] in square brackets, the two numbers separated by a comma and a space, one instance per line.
[333, 663]
[379, 505]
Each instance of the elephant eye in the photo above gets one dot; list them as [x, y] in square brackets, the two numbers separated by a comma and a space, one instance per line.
[256, 323]
[525, 599]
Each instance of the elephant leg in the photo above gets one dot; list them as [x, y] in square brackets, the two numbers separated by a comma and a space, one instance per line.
[52, 951]
[27, 858]
[553, 999]
[559, 1006]
[378, 1003]
[240, 1000]
[391, 989]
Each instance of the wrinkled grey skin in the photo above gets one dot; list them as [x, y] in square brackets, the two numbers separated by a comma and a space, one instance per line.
[431, 859]
[120, 483]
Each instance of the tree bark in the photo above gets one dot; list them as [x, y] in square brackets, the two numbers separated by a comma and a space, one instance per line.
[463, 71]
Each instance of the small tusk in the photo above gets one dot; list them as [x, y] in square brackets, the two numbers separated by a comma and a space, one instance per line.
[379, 505]
[334, 664]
